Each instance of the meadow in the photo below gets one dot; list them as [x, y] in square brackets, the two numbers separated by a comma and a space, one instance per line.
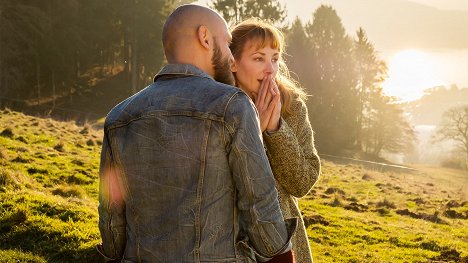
[49, 189]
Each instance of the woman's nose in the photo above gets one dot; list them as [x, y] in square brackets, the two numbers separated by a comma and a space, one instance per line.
[269, 68]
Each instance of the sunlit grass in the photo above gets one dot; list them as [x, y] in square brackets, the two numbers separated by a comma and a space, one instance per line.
[376, 232]
[49, 189]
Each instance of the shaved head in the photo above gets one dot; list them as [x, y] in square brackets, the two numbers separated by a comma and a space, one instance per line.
[199, 36]
[182, 25]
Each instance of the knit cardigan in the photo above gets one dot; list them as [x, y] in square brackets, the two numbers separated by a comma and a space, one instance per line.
[296, 167]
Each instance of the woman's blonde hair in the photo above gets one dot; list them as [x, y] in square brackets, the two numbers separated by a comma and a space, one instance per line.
[266, 34]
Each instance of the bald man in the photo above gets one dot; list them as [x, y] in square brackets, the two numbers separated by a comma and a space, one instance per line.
[184, 176]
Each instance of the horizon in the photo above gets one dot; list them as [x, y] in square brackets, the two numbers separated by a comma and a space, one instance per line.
[413, 65]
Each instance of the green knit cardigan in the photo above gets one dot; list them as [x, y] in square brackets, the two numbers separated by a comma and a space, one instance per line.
[296, 167]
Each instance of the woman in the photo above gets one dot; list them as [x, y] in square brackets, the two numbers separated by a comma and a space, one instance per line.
[260, 72]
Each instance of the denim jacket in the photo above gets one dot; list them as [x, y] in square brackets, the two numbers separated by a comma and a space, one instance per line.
[184, 176]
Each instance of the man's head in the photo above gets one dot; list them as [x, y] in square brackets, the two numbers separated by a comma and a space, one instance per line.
[199, 36]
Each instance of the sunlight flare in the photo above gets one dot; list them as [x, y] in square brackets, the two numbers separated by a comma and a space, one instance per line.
[410, 72]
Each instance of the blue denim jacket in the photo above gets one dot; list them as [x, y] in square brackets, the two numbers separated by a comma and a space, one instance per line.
[184, 176]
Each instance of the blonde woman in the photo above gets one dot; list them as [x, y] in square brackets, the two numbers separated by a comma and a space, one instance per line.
[260, 72]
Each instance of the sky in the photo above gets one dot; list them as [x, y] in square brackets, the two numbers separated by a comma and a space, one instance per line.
[445, 4]
[424, 42]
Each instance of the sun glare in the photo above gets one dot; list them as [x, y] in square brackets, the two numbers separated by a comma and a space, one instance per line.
[410, 72]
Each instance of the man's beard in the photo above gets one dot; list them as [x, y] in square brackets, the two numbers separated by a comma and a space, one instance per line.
[222, 68]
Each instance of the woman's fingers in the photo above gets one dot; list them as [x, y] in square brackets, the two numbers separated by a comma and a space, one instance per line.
[262, 92]
[273, 123]
[274, 87]
[268, 104]
[268, 94]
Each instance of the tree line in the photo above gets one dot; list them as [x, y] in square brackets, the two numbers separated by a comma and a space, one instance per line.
[342, 75]
[54, 48]
[60, 49]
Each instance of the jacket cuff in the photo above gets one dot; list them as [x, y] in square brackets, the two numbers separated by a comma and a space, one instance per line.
[100, 249]
[280, 128]
[291, 226]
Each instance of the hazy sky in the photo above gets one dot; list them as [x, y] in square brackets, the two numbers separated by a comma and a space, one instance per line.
[424, 42]
[445, 4]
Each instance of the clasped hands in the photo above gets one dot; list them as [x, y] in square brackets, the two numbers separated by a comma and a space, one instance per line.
[268, 104]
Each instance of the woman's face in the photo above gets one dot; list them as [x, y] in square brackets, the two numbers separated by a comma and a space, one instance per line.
[254, 65]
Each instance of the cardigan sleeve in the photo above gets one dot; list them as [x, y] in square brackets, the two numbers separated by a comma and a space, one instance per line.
[292, 154]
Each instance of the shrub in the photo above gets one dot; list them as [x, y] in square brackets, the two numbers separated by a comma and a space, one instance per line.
[34, 170]
[7, 133]
[337, 201]
[20, 256]
[20, 159]
[69, 191]
[90, 142]
[78, 178]
[59, 147]
[5, 178]
[383, 211]
[3, 154]
[386, 203]
[453, 163]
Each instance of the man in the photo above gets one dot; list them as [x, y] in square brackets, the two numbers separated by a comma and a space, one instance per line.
[184, 176]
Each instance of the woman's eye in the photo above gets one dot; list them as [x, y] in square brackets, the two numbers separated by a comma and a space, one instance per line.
[258, 59]
[275, 60]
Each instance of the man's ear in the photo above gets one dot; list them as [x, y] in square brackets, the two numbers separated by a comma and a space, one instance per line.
[204, 37]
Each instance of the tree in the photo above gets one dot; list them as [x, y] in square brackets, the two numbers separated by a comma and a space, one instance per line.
[371, 71]
[235, 11]
[296, 55]
[385, 127]
[332, 83]
[22, 28]
[454, 126]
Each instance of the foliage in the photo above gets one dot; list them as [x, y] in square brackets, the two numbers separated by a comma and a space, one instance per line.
[296, 57]
[62, 49]
[454, 127]
[385, 126]
[429, 109]
[371, 72]
[235, 11]
[343, 77]
[77, 59]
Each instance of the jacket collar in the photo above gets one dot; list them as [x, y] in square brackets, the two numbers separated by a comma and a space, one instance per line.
[176, 70]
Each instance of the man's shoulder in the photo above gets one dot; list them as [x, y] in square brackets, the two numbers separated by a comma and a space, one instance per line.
[124, 111]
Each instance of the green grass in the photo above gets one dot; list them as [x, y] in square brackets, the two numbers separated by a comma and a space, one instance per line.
[366, 226]
[49, 189]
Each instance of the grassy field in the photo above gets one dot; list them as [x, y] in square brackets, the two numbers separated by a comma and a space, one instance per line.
[356, 215]
[48, 203]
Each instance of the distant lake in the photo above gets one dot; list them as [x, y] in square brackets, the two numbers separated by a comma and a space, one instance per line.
[428, 151]
[441, 66]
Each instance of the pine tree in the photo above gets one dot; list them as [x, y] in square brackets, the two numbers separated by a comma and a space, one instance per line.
[371, 71]
[235, 11]
[332, 106]
[386, 127]
[297, 55]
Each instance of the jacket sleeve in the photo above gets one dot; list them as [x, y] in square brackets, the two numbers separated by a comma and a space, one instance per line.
[112, 221]
[292, 153]
[257, 198]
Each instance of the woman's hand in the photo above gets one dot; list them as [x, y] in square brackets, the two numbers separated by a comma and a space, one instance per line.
[273, 124]
[268, 103]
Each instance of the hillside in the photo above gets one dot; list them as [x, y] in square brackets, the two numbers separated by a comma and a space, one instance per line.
[429, 109]
[417, 25]
[48, 190]
[357, 215]
[48, 203]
